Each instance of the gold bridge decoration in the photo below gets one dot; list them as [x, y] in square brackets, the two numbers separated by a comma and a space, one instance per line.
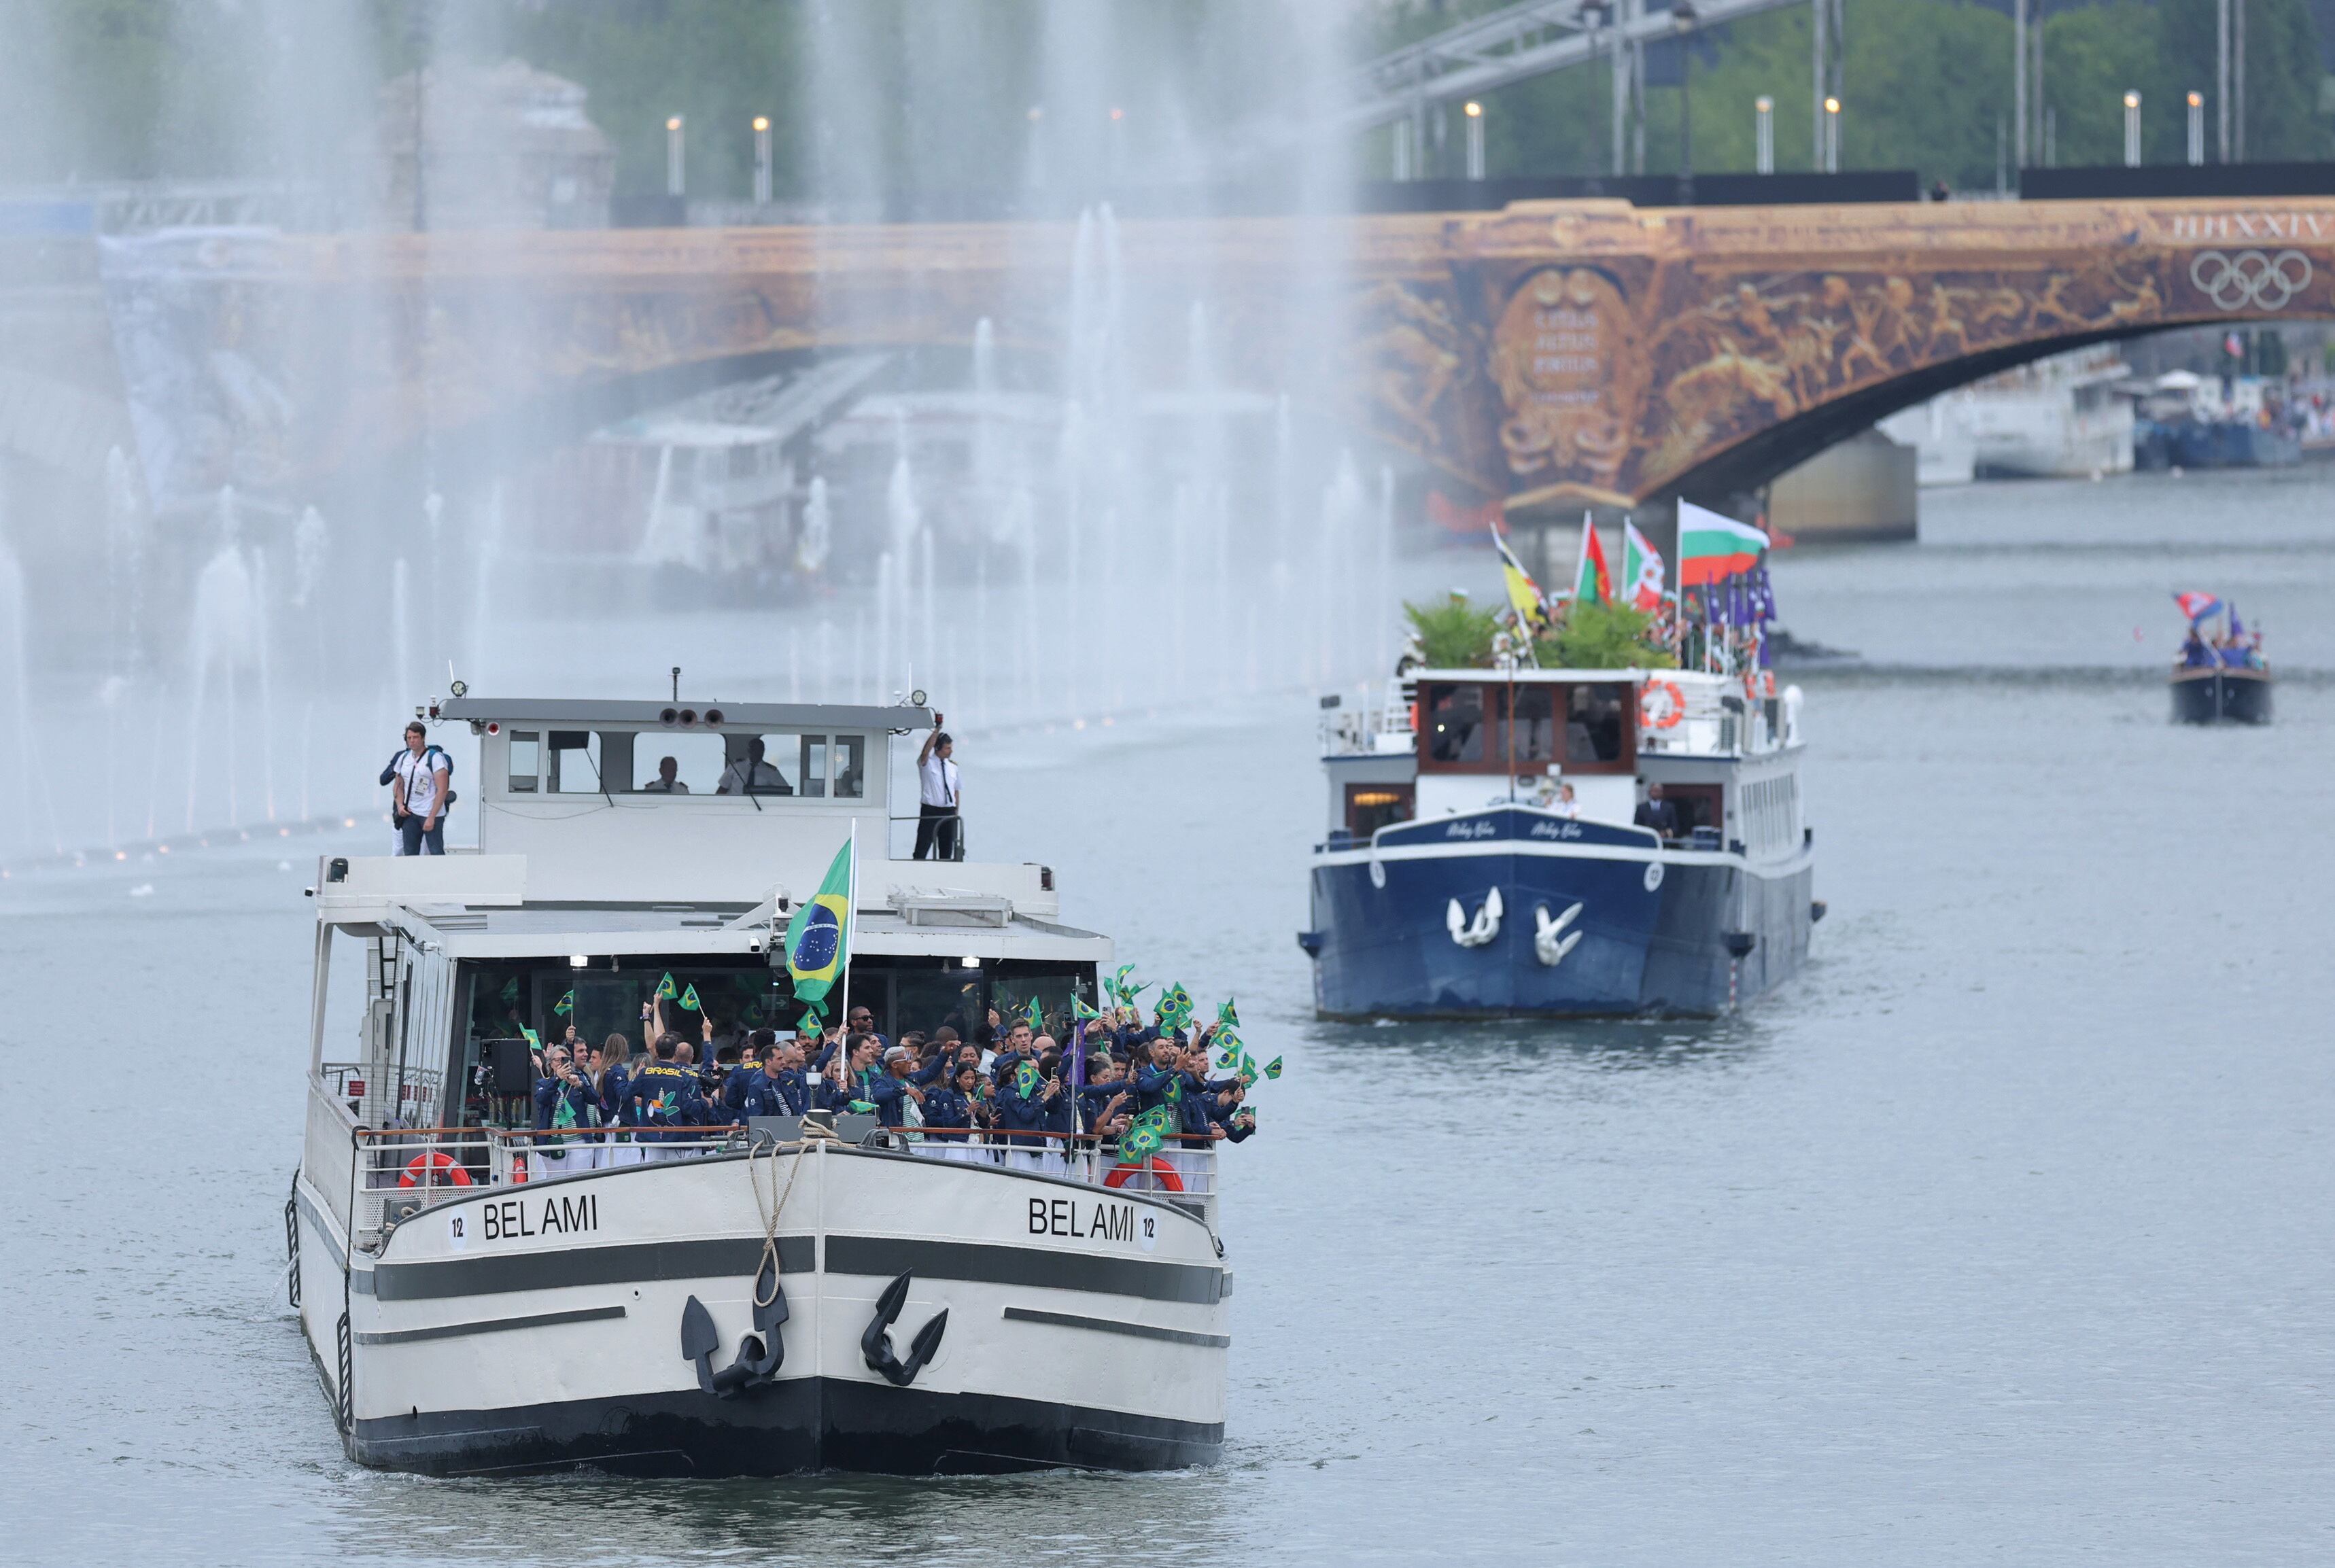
[1546, 354]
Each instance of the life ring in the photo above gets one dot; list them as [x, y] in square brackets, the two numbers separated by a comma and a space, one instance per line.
[424, 1169]
[1672, 709]
[1161, 1172]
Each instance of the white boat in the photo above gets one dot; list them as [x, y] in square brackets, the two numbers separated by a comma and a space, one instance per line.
[2060, 417]
[732, 1301]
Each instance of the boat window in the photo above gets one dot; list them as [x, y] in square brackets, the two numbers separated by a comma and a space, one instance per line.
[1535, 725]
[1596, 725]
[773, 772]
[1014, 983]
[1371, 807]
[814, 765]
[575, 766]
[697, 762]
[850, 767]
[1455, 724]
[526, 759]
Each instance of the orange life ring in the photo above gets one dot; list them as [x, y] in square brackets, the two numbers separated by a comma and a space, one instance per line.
[423, 1169]
[1673, 707]
[1161, 1172]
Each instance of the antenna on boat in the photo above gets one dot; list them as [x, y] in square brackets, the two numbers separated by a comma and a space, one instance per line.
[676, 683]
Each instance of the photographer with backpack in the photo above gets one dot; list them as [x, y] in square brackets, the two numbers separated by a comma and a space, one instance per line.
[420, 778]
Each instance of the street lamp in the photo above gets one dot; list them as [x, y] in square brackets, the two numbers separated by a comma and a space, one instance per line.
[2131, 130]
[1475, 113]
[1682, 20]
[673, 182]
[762, 160]
[1763, 133]
[2196, 130]
[1832, 135]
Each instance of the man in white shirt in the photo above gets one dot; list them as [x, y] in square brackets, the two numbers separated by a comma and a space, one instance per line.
[667, 781]
[750, 775]
[419, 788]
[937, 819]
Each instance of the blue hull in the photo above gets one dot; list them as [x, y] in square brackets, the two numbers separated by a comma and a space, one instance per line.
[1653, 924]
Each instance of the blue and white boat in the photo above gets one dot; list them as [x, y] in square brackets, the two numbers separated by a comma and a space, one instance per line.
[1457, 880]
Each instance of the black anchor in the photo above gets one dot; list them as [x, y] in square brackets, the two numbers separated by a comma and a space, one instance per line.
[876, 1344]
[758, 1353]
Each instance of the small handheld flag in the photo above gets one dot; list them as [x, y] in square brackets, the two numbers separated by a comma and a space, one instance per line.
[1273, 1068]
[1031, 1016]
[1027, 1079]
[1080, 1012]
[665, 990]
[808, 1023]
[1227, 1015]
[565, 1005]
[533, 1039]
[689, 1000]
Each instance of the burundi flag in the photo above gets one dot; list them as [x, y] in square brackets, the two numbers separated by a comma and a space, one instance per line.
[1712, 548]
[819, 938]
[689, 1000]
[1642, 570]
[1523, 594]
[1593, 584]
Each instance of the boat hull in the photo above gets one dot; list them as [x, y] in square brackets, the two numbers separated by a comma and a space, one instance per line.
[1653, 927]
[2221, 696]
[1086, 1327]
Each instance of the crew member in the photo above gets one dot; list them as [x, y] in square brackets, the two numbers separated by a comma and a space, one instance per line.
[1657, 813]
[938, 819]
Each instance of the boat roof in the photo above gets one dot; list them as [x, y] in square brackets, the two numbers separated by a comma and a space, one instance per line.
[739, 716]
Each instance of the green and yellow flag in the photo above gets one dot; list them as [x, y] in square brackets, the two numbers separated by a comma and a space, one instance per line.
[1028, 1079]
[1273, 1068]
[1228, 1016]
[689, 1000]
[819, 938]
[565, 1005]
[533, 1039]
[1081, 1012]
[665, 990]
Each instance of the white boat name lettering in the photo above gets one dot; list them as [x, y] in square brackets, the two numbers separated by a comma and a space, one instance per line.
[1555, 830]
[1060, 1217]
[1482, 828]
[561, 1215]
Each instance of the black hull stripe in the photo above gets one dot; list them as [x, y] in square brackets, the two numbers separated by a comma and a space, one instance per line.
[717, 1258]
[979, 1262]
[491, 1326]
[983, 1262]
[1113, 1326]
[787, 1428]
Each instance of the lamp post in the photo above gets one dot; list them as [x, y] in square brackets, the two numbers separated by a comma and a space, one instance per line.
[674, 180]
[1763, 133]
[1475, 113]
[2131, 130]
[1832, 135]
[1682, 20]
[762, 160]
[2196, 130]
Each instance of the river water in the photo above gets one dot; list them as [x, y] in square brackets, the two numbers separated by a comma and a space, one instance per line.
[1999, 1233]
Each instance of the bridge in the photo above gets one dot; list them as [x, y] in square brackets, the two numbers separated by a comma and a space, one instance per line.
[1550, 356]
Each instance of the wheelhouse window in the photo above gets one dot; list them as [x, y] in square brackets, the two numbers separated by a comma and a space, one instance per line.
[1597, 725]
[1452, 726]
[526, 760]
[697, 762]
[1491, 727]
[574, 763]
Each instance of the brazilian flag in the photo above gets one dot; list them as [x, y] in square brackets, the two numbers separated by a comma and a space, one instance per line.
[665, 990]
[1247, 1069]
[689, 999]
[1081, 1012]
[1229, 1047]
[533, 1039]
[565, 1005]
[1175, 1007]
[819, 938]
[1027, 1079]
[1273, 1068]
[1145, 1137]
[1227, 1016]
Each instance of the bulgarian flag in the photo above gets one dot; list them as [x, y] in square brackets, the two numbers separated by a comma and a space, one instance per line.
[1593, 584]
[1712, 548]
[1642, 569]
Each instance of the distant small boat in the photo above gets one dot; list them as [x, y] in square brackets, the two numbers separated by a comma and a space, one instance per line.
[2222, 679]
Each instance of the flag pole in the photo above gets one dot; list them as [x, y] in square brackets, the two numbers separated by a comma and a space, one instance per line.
[850, 919]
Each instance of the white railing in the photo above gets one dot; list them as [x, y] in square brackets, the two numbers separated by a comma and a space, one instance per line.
[329, 1152]
[400, 1169]
[1368, 728]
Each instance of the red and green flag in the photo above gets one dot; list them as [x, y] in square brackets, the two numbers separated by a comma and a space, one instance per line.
[1592, 582]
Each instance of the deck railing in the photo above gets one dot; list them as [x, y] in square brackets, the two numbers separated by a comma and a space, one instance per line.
[396, 1171]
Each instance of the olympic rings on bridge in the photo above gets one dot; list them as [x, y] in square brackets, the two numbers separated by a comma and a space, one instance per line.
[2251, 277]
